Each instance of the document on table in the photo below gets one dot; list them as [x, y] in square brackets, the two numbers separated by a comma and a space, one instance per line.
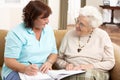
[50, 75]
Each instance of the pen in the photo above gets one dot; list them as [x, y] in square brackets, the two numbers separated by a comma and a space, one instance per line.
[29, 62]
[94, 77]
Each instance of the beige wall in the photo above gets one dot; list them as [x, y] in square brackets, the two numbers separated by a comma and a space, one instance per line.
[12, 15]
[54, 17]
[94, 2]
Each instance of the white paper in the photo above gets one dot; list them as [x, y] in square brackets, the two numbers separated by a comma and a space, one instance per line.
[39, 76]
[51, 75]
[113, 2]
[59, 74]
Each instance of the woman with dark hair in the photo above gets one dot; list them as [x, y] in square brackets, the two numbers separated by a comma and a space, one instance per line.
[31, 42]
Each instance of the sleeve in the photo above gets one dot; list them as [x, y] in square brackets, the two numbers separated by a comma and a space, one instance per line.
[108, 57]
[61, 63]
[54, 48]
[13, 45]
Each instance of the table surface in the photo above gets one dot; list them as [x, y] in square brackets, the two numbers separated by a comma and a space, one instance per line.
[110, 7]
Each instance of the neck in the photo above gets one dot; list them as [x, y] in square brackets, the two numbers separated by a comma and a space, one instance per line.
[37, 33]
[81, 47]
[87, 33]
[37, 29]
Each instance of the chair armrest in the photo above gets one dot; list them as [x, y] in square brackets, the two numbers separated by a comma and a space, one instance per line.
[115, 72]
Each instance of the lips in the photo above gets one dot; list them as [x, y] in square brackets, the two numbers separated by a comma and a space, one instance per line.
[78, 29]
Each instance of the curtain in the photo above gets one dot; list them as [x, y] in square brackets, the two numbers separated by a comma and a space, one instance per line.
[63, 14]
[73, 11]
[83, 3]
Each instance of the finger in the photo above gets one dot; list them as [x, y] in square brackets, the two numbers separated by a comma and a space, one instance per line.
[47, 70]
[69, 67]
[75, 68]
[83, 68]
[34, 67]
[66, 68]
[50, 68]
[31, 73]
[43, 68]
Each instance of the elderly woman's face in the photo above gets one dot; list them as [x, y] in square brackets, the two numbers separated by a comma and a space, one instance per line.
[82, 26]
[40, 22]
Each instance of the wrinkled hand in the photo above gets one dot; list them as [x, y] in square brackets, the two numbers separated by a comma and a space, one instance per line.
[31, 70]
[69, 66]
[77, 68]
[45, 67]
[84, 67]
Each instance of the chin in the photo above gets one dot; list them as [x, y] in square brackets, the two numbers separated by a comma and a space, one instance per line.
[78, 33]
[43, 26]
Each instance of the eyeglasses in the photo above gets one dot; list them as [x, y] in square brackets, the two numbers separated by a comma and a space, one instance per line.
[79, 23]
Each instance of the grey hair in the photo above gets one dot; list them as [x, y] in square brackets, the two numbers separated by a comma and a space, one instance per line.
[93, 14]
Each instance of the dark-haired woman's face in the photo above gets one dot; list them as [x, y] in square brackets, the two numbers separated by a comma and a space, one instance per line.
[40, 22]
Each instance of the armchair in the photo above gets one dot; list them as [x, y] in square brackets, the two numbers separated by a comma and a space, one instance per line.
[59, 34]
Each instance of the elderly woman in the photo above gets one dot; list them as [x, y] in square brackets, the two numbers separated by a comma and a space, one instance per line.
[87, 47]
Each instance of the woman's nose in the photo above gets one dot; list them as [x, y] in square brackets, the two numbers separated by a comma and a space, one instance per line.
[46, 20]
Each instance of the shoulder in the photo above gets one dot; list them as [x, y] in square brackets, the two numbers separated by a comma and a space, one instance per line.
[20, 28]
[100, 32]
[17, 32]
[70, 33]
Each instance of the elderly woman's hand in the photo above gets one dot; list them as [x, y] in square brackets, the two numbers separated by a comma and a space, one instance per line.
[45, 67]
[83, 67]
[87, 66]
[69, 66]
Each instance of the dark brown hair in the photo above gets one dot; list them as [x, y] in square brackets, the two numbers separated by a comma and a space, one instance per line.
[34, 9]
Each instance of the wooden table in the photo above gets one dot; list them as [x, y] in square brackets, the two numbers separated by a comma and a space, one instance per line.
[112, 8]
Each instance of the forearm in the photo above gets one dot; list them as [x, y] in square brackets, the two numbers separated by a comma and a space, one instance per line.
[52, 58]
[106, 65]
[14, 65]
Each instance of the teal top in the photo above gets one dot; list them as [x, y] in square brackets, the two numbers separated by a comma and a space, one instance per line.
[21, 43]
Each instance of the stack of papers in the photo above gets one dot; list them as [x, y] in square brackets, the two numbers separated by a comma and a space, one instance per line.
[50, 75]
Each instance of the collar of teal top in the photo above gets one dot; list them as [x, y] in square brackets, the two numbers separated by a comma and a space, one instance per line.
[30, 31]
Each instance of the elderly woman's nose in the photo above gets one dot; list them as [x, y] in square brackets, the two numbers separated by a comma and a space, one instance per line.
[77, 28]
